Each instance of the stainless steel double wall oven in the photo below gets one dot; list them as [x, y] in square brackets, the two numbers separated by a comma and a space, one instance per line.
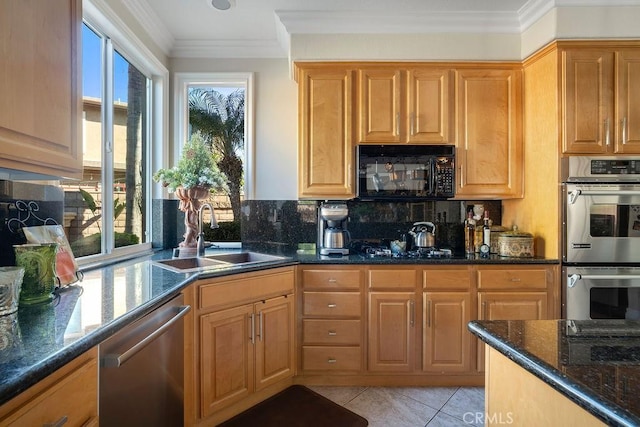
[601, 237]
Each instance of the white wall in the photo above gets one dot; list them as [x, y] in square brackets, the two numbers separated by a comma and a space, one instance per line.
[276, 116]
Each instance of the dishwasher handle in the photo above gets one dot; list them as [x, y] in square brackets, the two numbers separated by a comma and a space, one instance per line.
[117, 360]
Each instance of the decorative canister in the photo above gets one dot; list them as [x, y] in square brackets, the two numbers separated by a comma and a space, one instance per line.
[10, 285]
[515, 243]
[496, 230]
[39, 263]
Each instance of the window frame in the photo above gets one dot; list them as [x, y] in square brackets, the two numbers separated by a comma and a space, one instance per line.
[182, 81]
[106, 23]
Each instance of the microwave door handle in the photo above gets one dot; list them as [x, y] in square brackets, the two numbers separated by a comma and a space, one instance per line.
[432, 177]
[574, 278]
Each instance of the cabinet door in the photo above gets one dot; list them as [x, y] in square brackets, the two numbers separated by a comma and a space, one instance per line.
[325, 134]
[509, 306]
[40, 101]
[226, 358]
[391, 331]
[489, 125]
[274, 341]
[429, 106]
[587, 88]
[380, 103]
[446, 341]
[628, 120]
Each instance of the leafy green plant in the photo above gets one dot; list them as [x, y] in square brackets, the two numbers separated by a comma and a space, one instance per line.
[90, 201]
[196, 167]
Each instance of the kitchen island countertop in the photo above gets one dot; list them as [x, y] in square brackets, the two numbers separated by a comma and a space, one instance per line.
[594, 363]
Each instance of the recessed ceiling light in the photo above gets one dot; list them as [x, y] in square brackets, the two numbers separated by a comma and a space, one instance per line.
[222, 4]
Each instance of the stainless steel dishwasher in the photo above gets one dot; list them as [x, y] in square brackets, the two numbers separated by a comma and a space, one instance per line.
[142, 370]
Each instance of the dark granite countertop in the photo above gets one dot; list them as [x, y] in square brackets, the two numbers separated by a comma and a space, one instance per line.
[35, 342]
[595, 363]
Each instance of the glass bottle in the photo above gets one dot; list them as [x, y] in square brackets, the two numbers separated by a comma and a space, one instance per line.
[469, 234]
[486, 229]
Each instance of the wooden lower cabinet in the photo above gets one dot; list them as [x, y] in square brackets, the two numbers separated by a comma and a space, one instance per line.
[413, 329]
[69, 396]
[446, 341]
[391, 330]
[240, 343]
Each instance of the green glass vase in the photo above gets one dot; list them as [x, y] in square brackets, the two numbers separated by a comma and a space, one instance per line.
[39, 281]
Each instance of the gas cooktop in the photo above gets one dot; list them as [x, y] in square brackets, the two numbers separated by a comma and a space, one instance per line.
[382, 251]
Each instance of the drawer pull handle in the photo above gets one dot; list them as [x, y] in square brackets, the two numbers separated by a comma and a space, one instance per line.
[62, 421]
[516, 279]
[331, 360]
[332, 305]
[332, 280]
[332, 333]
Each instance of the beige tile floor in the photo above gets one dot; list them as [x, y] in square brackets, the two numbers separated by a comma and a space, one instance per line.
[411, 406]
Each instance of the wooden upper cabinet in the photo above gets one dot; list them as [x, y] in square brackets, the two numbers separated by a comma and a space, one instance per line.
[600, 89]
[40, 88]
[397, 106]
[325, 99]
[490, 148]
[588, 101]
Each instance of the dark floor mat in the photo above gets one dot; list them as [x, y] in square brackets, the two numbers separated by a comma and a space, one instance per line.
[296, 406]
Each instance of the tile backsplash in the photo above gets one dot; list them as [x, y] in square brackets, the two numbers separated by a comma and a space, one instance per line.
[25, 204]
[279, 225]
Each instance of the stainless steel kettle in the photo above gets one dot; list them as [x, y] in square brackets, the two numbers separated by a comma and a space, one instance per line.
[424, 234]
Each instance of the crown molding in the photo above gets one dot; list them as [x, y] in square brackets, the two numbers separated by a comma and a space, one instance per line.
[152, 24]
[227, 49]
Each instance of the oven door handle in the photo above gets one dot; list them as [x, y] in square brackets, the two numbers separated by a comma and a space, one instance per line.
[573, 195]
[573, 278]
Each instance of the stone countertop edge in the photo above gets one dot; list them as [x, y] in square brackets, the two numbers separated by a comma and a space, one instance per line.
[40, 370]
[604, 410]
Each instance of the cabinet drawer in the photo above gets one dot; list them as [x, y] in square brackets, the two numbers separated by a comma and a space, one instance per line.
[331, 304]
[331, 358]
[246, 288]
[321, 331]
[331, 279]
[392, 279]
[459, 278]
[512, 279]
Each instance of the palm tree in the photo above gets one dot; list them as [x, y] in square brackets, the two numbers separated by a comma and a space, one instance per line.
[220, 120]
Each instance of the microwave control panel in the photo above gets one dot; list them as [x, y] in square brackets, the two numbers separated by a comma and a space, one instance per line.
[615, 167]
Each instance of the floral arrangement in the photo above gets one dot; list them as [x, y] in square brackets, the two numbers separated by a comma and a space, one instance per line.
[196, 168]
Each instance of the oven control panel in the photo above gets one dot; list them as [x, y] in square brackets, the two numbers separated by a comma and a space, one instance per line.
[600, 168]
[615, 167]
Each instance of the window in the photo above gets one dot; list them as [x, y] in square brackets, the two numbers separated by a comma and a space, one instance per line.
[107, 211]
[217, 107]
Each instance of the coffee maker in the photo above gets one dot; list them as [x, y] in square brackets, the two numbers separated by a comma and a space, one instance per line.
[333, 236]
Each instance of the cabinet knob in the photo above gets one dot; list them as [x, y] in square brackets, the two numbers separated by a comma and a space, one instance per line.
[332, 305]
[331, 360]
[332, 333]
[332, 280]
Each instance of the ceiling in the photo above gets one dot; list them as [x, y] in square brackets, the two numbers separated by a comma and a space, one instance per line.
[261, 28]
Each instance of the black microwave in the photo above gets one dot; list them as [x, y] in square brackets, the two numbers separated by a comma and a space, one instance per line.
[406, 172]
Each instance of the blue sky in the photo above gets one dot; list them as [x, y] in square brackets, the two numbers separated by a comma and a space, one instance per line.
[91, 68]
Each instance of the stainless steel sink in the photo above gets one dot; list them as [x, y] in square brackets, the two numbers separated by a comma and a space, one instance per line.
[244, 257]
[215, 262]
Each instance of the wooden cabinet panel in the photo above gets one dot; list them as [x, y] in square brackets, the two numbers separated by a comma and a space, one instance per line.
[380, 105]
[446, 278]
[392, 331]
[399, 106]
[331, 331]
[588, 100]
[325, 150]
[331, 304]
[243, 288]
[510, 278]
[628, 113]
[226, 358]
[512, 305]
[331, 358]
[489, 154]
[446, 341]
[274, 342]
[40, 106]
[331, 279]
[68, 396]
[392, 278]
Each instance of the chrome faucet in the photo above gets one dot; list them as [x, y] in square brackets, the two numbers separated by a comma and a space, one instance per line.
[214, 224]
